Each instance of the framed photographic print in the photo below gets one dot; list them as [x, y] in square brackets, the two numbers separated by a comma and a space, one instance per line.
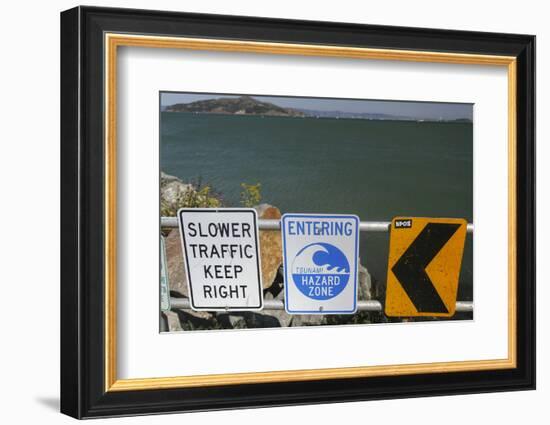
[261, 212]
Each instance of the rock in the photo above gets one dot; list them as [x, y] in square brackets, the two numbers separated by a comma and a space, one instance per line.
[246, 319]
[256, 320]
[237, 322]
[281, 315]
[177, 279]
[173, 321]
[195, 320]
[365, 283]
[166, 178]
[307, 320]
[172, 190]
[271, 245]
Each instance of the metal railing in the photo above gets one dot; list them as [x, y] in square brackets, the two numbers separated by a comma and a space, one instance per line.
[275, 224]
[263, 224]
[362, 305]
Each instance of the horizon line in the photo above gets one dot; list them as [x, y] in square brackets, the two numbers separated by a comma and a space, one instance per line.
[408, 109]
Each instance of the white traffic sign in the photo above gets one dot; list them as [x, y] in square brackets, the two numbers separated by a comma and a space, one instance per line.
[222, 258]
[320, 262]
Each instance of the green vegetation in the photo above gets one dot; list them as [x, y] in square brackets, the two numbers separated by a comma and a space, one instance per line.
[201, 196]
[251, 194]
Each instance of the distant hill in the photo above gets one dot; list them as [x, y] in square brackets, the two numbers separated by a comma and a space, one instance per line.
[355, 115]
[375, 116]
[244, 105]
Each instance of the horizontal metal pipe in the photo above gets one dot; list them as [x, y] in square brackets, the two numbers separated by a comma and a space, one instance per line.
[464, 306]
[263, 224]
[371, 305]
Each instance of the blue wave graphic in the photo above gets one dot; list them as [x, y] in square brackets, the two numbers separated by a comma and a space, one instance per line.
[333, 258]
[320, 271]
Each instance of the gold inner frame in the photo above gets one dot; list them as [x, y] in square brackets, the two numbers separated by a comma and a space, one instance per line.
[113, 41]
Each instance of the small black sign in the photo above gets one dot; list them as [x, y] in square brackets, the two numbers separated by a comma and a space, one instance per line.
[403, 224]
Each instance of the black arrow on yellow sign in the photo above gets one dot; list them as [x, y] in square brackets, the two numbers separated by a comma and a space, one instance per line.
[410, 269]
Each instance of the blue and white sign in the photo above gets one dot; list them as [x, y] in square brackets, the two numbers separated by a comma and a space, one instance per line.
[320, 262]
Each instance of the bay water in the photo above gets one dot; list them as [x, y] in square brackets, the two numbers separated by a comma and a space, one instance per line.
[376, 169]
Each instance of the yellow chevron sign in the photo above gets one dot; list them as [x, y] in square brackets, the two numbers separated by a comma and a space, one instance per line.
[424, 263]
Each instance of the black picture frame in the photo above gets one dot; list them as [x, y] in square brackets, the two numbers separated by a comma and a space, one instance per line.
[83, 393]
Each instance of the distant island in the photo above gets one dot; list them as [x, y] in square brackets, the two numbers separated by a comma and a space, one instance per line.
[247, 105]
[244, 105]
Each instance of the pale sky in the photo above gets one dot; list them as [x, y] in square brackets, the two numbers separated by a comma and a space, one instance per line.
[421, 110]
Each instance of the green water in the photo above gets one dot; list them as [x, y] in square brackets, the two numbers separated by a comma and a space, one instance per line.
[375, 169]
